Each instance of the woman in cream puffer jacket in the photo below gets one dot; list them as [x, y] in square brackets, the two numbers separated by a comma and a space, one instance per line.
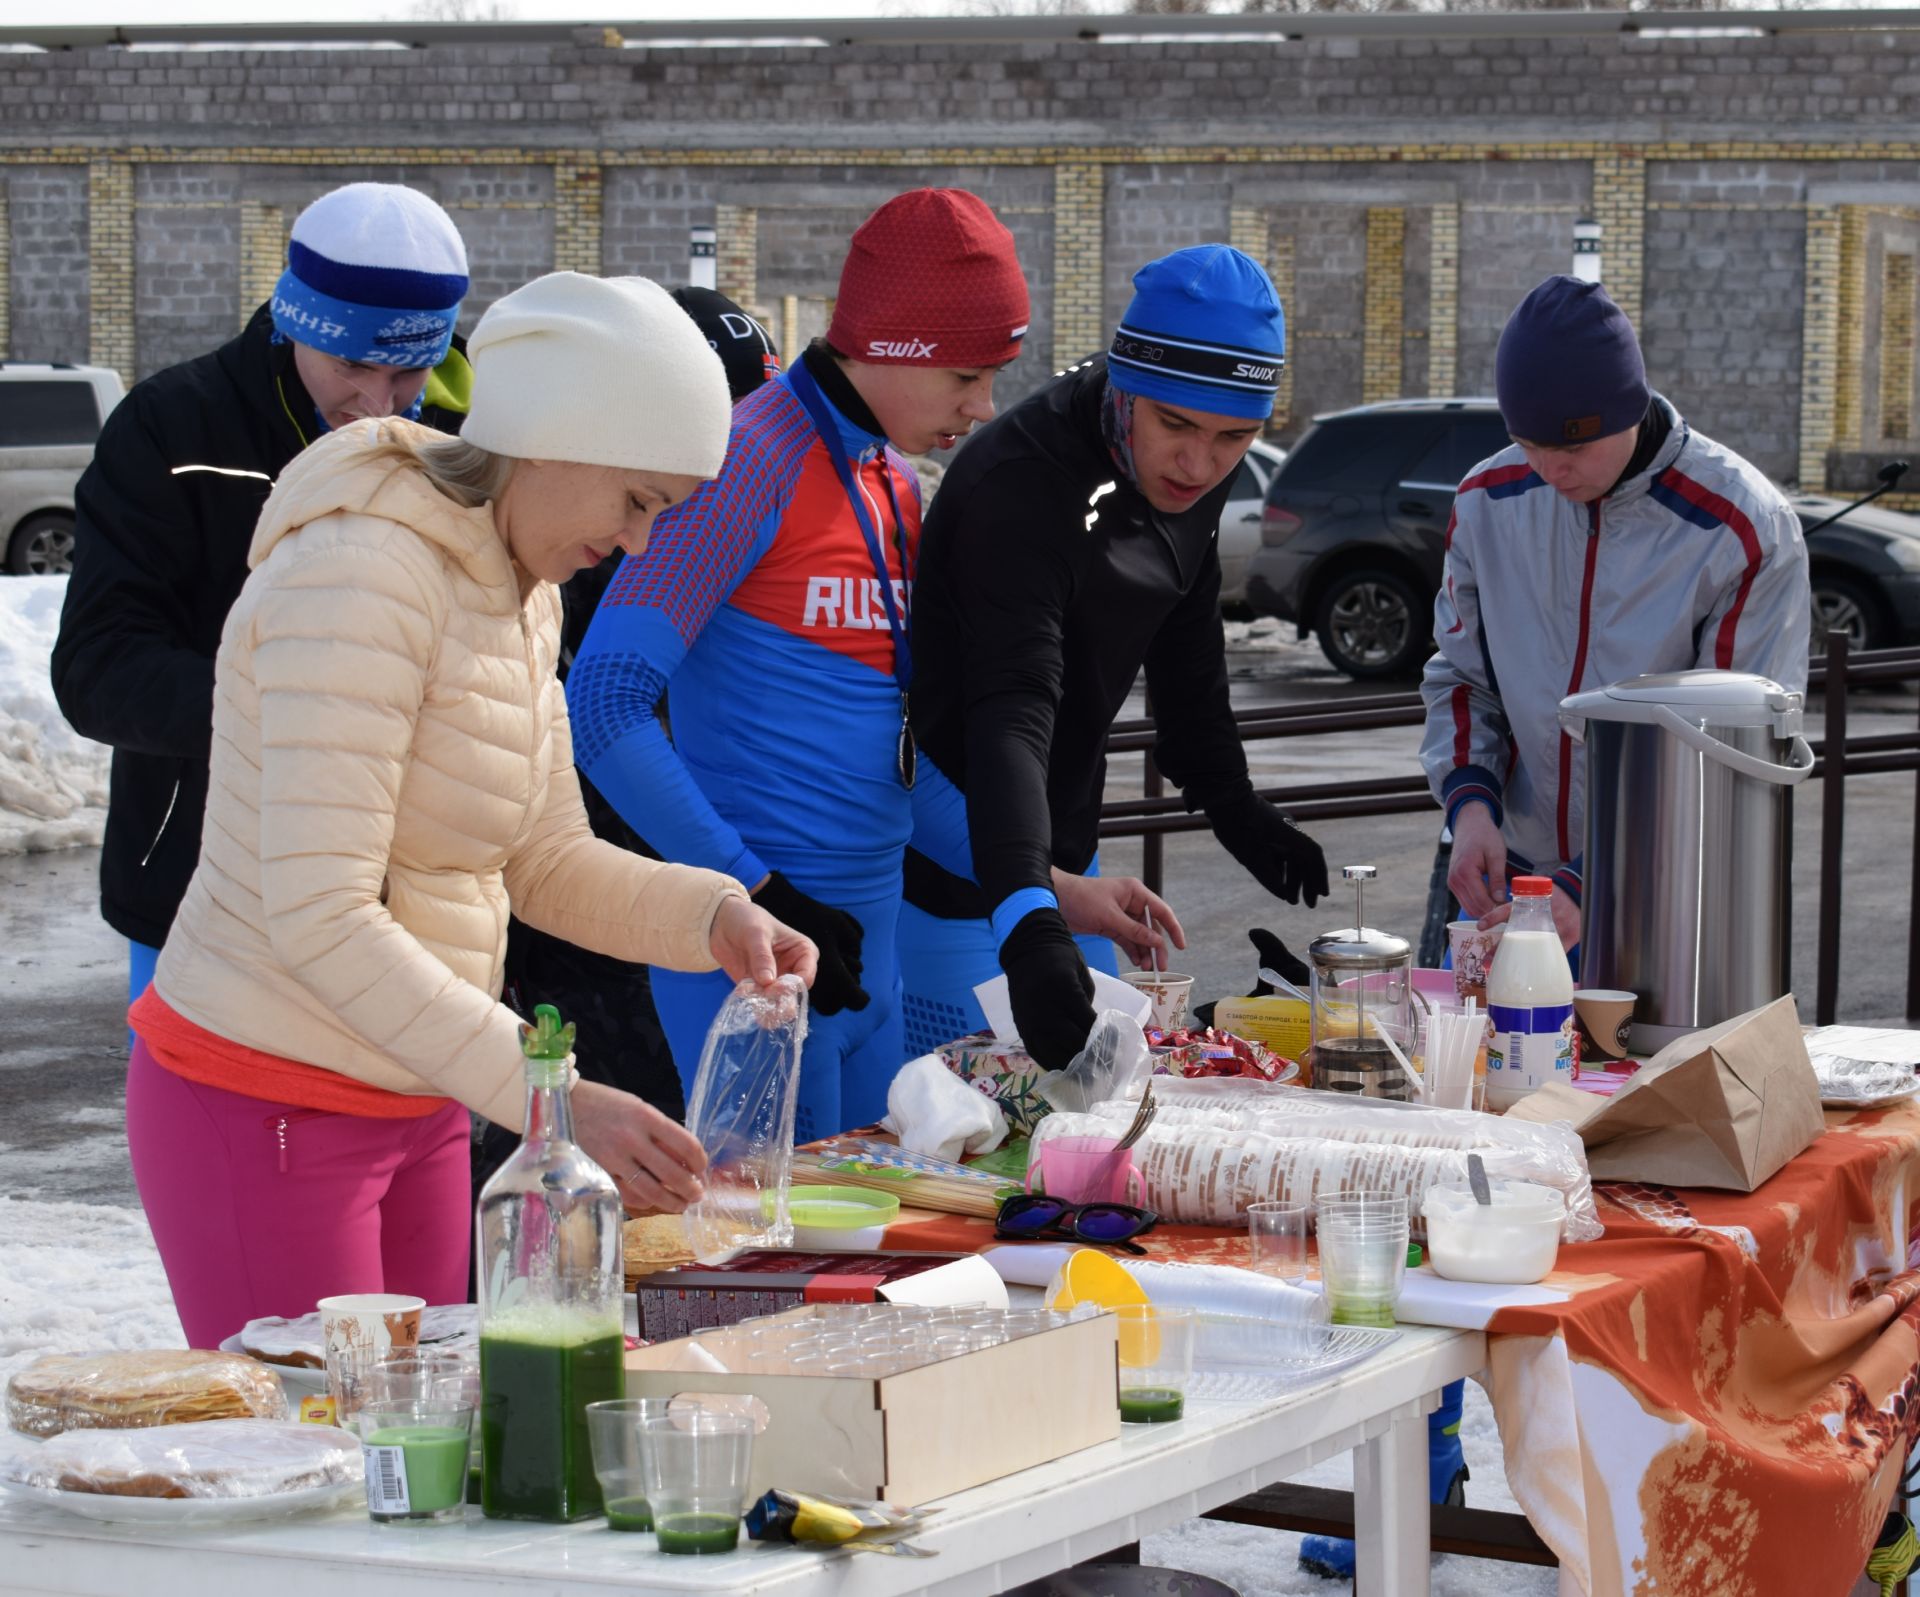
[391, 771]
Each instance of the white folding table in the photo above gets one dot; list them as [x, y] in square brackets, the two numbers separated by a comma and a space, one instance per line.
[988, 1539]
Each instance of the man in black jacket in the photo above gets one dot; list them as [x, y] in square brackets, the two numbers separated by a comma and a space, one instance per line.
[360, 325]
[1073, 541]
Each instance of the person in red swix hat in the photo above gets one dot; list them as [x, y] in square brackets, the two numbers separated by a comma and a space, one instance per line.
[777, 602]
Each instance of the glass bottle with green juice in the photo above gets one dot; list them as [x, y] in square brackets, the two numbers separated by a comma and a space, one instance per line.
[550, 1273]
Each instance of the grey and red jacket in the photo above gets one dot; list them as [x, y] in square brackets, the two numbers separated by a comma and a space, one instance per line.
[1694, 561]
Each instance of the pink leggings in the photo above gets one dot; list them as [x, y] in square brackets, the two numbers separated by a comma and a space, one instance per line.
[265, 1208]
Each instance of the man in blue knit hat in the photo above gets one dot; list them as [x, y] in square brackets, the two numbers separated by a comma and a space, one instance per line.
[1610, 541]
[359, 325]
[1071, 543]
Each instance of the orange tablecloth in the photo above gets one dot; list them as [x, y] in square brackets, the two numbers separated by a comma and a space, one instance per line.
[1723, 1405]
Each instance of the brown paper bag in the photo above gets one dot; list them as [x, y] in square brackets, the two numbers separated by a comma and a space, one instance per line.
[1724, 1107]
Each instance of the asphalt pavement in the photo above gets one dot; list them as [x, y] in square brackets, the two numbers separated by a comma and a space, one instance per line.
[63, 1033]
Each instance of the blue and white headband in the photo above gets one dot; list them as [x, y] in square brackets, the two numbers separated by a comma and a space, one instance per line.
[1224, 379]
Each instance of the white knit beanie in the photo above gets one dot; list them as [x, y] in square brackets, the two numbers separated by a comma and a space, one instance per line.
[606, 371]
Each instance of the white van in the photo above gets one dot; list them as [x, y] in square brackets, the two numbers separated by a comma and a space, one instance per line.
[50, 416]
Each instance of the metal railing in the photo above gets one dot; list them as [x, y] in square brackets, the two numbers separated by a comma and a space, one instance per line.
[1157, 813]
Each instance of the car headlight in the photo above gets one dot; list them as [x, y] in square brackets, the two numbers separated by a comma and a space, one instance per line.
[1904, 553]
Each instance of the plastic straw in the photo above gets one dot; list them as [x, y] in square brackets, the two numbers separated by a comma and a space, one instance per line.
[1153, 943]
[1406, 1066]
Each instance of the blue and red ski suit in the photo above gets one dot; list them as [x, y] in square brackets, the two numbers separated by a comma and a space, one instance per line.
[758, 600]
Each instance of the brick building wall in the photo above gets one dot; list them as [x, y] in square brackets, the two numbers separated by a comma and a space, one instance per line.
[1760, 197]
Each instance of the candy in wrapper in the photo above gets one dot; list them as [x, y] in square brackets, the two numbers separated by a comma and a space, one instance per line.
[1220, 1053]
[823, 1521]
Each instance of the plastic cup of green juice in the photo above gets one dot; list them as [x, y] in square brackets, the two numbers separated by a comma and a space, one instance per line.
[416, 1458]
[615, 1428]
[696, 1464]
[1156, 1362]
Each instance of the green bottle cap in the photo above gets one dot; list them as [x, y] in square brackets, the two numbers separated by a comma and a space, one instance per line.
[1413, 1255]
[546, 1038]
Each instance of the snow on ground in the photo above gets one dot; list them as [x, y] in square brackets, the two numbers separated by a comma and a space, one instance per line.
[53, 782]
[77, 1276]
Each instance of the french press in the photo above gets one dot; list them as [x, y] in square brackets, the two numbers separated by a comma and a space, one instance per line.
[1362, 996]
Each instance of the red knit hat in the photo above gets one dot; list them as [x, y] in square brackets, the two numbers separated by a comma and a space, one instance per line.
[931, 280]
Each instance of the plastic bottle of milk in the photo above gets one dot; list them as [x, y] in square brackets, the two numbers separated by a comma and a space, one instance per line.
[1529, 1000]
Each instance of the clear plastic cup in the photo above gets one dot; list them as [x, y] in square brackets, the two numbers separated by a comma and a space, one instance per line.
[1277, 1239]
[1156, 1362]
[402, 1375]
[416, 1453]
[696, 1464]
[616, 1430]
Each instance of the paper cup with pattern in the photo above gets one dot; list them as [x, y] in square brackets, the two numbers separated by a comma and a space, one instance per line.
[1167, 993]
[1473, 951]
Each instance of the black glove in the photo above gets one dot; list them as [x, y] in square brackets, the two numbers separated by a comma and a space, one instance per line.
[1276, 957]
[1276, 853]
[1050, 987]
[834, 932]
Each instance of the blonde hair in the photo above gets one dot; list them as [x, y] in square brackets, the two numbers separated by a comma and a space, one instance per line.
[467, 474]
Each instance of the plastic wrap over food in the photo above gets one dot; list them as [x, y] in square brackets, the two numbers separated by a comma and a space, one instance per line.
[119, 1391]
[742, 1108]
[217, 1459]
[1215, 1147]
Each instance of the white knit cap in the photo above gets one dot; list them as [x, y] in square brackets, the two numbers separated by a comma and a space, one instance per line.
[606, 371]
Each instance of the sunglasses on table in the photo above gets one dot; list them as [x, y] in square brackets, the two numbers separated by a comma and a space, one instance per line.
[1032, 1216]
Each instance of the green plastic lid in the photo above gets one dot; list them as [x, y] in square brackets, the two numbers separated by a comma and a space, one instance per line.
[546, 1038]
[838, 1208]
[1413, 1255]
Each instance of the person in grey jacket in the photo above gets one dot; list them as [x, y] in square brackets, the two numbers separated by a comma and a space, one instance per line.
[1610, 541]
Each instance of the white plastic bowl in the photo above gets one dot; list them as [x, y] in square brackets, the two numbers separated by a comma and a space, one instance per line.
[1512, 1243]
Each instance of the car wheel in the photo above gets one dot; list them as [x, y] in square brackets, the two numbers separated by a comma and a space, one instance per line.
[42, 546]
[1371, 624]
[1849, 608]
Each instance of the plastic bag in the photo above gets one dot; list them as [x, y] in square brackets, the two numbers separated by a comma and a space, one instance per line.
[1115, 1063]
[120, 1391]
[221, 1459]
[742, 1108]
[1216, 1146]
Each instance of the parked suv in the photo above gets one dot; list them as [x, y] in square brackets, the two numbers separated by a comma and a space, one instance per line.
[50, 416]
[1355, 527]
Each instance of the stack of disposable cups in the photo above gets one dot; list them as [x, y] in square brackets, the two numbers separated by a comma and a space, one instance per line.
[1363, 1254]
[1453, 1042]
[1219, 1289]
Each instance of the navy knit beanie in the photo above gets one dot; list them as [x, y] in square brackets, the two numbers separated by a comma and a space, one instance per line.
[1205, 330]
[1568, 369]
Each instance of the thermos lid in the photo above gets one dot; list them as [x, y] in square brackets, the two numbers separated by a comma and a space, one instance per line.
[1707, 698]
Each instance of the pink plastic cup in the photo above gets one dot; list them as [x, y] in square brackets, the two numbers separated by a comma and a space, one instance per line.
[1087, 1170]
